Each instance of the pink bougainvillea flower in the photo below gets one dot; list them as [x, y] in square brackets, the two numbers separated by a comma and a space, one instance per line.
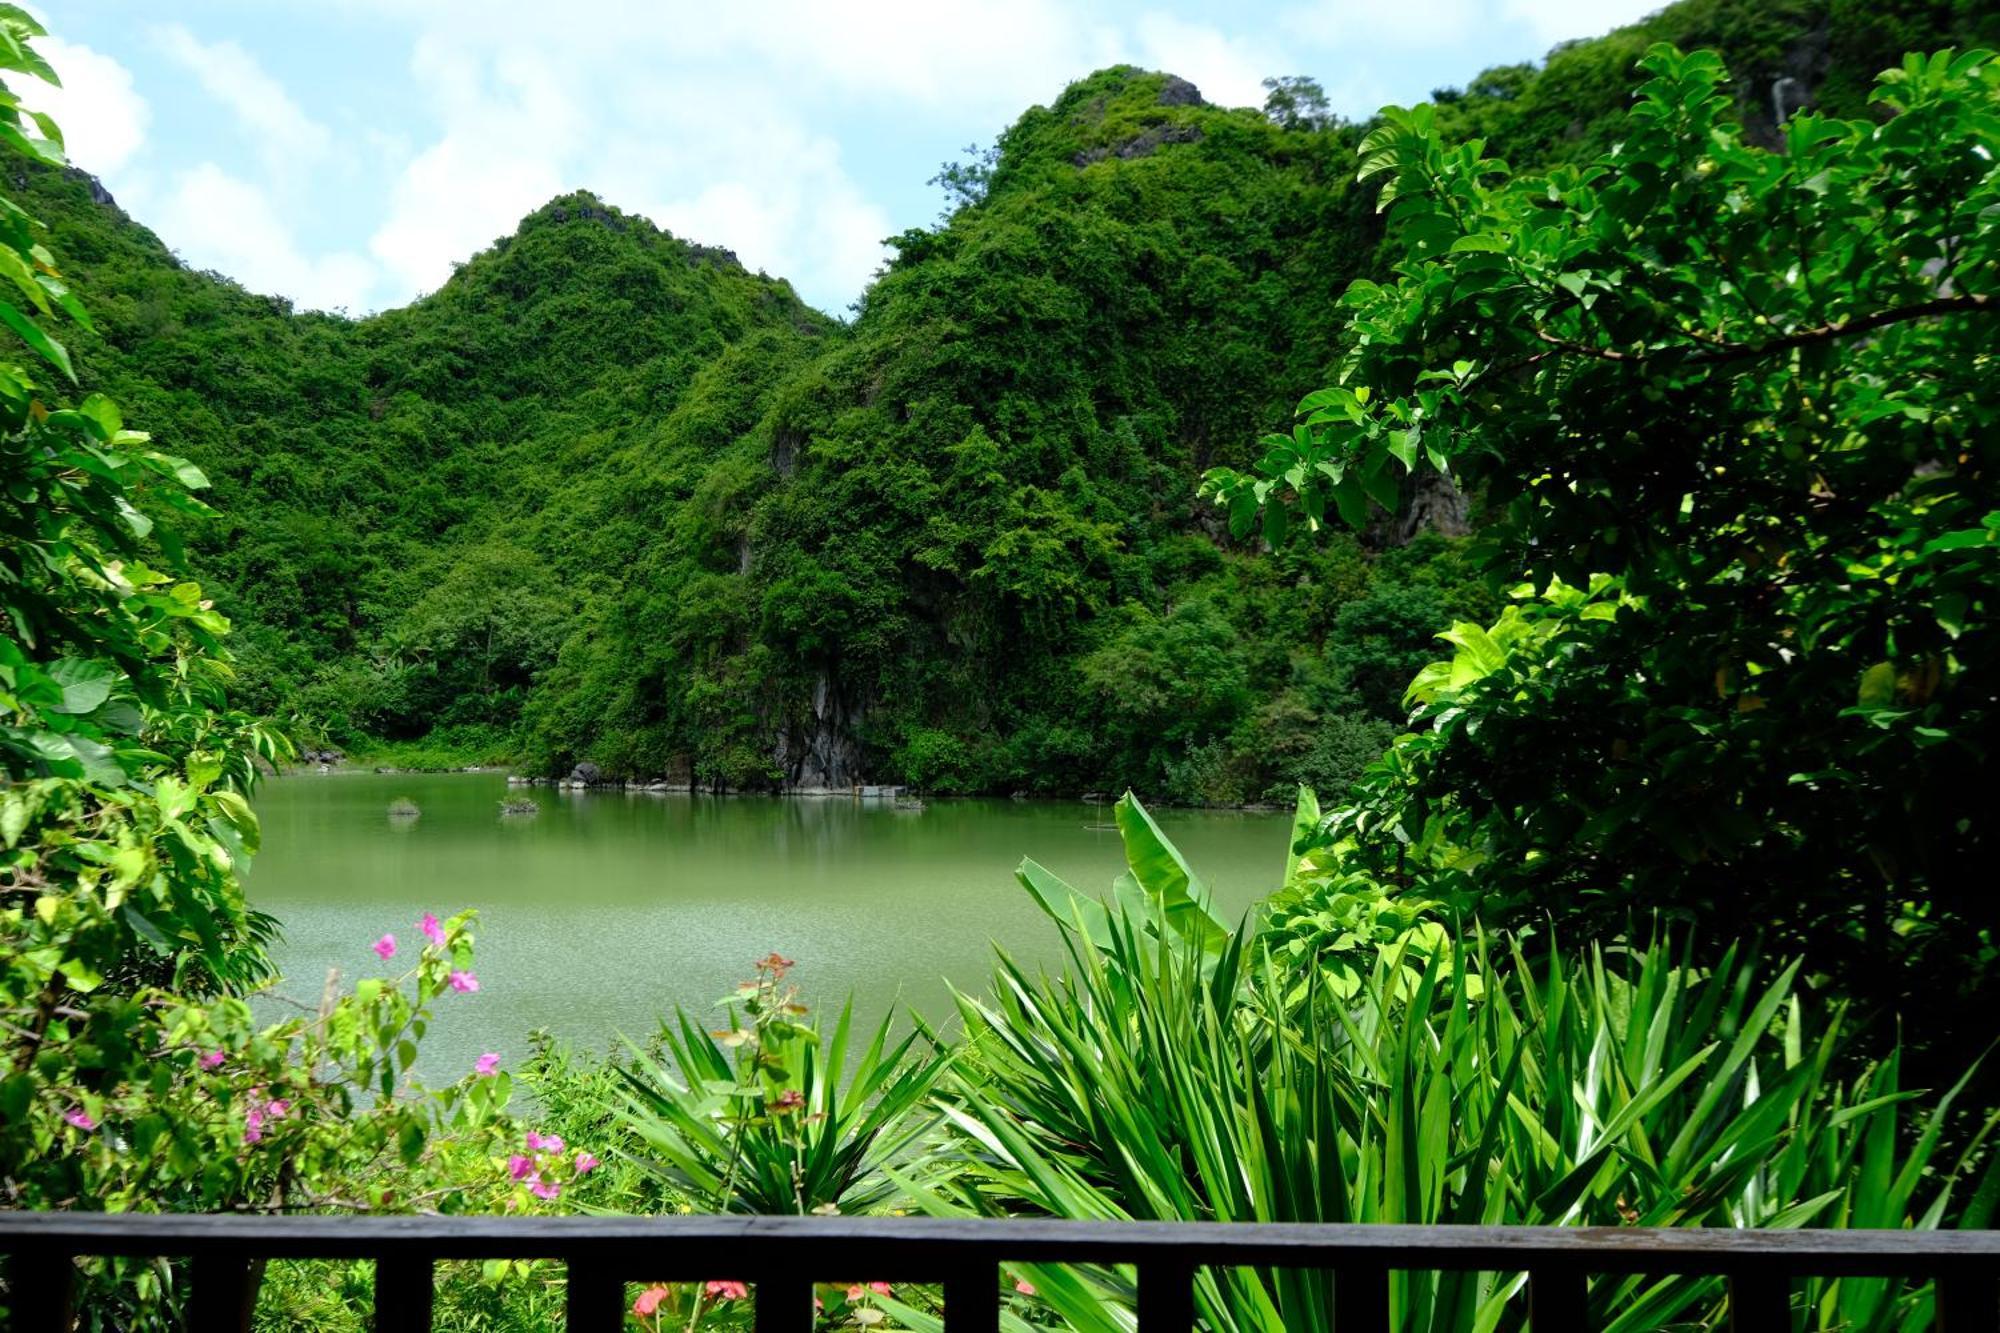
[585, 1163]
[432, 930]
[79, 1117]
[253, 1123]
[1025, 1287]
[519, 1166]
[462, 981]
[544, 1142]
[486, 1063]
[649, 1300]
[385, 948]
[727, 1291]
[880, 1288]
[213, 1060]
[277, 1110]
[544, 1189]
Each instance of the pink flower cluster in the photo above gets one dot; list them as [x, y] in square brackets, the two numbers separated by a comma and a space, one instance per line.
[534, 1170]
[79, 1117]
[458, 979]
[260, 1111]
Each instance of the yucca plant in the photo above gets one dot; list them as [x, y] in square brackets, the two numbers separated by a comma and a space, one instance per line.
[1159, 1079]
[766, 1116]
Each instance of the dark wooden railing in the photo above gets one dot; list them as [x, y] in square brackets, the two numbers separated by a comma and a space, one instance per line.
[781, 1257]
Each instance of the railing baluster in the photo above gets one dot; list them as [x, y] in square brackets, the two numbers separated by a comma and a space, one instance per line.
[1760, 1302]
[404, 1294]
[1968, 1302]
[222, 1292]
[1166, 1296]
[972, 1300]
[596, 1299]
[784, 1305]
[42, 1288]
[1361, 1299]
[1558, 1301]
[44, 1253]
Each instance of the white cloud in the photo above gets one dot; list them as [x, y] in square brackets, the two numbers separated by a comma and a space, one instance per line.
[102, 115]
[220, 222]
[1560, 20]
[1403, 23]
[705, 121]
[1228, 70]
[286, 136]
[757, 183]
[509, 127]
[717, 121]
[990, 54]
[1427, 23]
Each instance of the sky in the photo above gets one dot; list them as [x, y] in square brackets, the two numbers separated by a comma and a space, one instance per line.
[347, 153]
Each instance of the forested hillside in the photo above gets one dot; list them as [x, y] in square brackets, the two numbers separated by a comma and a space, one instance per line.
[606, 496]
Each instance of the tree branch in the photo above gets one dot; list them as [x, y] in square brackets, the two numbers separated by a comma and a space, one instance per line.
[1840, 328]
[1843, 328]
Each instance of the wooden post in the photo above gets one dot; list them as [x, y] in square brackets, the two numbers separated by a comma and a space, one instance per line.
[404, 1294]
[1361, 1300]
[1968, 1302]
[1558, 1301]
[1760, 1302]
[1166, 1296]
[784, 1304]
[972, 1300]
[222, 1291]
[42, 1288]
[595, 1302]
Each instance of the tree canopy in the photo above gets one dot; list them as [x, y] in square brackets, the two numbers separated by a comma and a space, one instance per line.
[1733, 413]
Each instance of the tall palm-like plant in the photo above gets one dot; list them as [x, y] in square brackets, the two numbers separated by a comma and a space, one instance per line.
[766, 1116]
[1161, 1079]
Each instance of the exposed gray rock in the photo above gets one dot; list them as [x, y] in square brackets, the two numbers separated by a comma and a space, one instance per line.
[1179, 92]
[785, 445]
[820, 752]
[1435, 504]
[1141, 144]
[714, 256]
[586, 773]
[1774, 96]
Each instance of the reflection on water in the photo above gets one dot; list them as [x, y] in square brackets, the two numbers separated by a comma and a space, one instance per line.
[604, 910]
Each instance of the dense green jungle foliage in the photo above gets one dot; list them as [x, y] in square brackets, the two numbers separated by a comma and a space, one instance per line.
[1728, 408]
[1734, 413]
[607, 497]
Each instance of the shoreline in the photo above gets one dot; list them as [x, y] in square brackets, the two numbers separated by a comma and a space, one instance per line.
[887, 794]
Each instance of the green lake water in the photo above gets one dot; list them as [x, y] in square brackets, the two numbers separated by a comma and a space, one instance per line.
[607, 909]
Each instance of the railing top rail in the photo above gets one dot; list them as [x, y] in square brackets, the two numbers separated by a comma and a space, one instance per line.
[717, 1246]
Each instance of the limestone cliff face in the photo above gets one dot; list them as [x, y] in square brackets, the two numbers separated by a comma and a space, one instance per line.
[820, 751]
[1769, 100]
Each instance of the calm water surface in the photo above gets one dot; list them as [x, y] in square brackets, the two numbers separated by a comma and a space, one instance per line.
[606, 910]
